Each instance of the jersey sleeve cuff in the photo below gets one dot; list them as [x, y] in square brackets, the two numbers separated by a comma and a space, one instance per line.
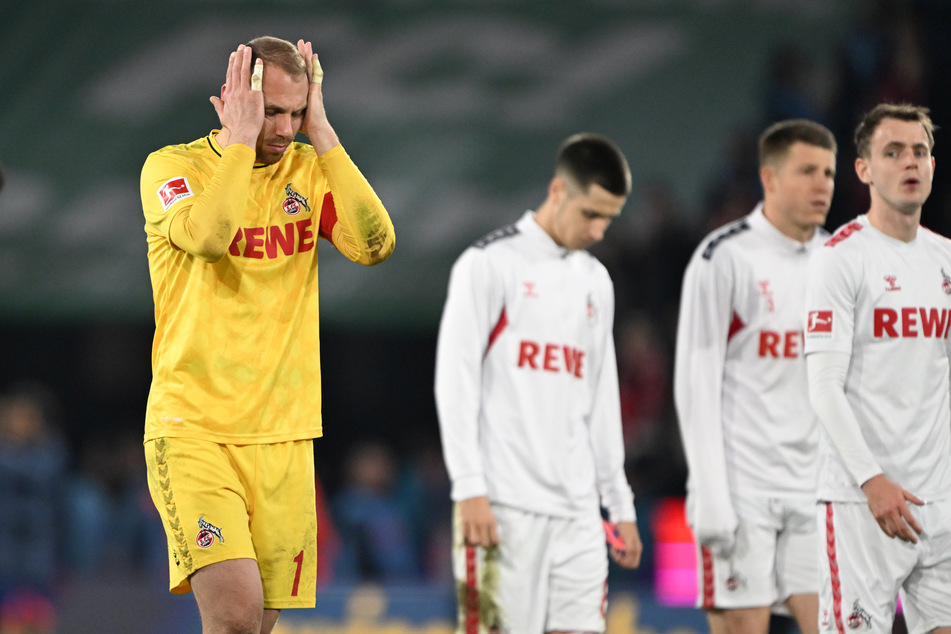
[622, 515]
[468, 487]
[334, 154]
[239, 149]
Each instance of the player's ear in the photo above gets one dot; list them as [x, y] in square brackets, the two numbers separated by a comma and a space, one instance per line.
[766, 176]
[862, 170]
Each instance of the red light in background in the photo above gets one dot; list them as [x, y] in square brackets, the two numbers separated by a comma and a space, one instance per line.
[675, 555]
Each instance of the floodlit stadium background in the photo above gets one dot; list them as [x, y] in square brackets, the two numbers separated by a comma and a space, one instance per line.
[453, 109]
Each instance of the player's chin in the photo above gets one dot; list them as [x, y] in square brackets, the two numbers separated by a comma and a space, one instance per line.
[269, 158]
[816, 216]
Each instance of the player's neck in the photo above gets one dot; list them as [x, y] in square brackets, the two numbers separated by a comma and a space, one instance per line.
[545, 218]
[790, 229]
[894, 223]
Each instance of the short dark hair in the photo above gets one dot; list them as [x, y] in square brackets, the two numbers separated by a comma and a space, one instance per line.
[588, 159]
[902, 112]
[281, 53]
[776, 140]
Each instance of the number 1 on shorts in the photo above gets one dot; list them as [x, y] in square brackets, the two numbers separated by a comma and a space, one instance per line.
[300, 564]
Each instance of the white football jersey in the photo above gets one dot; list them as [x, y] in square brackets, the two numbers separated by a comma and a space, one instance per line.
[740, 385]
[887, 303]
[526, 378]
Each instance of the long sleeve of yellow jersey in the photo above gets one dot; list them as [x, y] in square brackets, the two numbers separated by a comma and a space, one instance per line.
[206, 226]
[363, 232]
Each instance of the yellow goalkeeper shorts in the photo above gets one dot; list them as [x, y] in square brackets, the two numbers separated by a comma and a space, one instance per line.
[221, 502]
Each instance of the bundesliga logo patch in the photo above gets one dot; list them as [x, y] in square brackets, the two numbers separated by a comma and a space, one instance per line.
[174, 190]
[820, 322]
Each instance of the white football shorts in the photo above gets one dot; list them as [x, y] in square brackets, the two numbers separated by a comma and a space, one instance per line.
[863, 570]
[773, 559]
[548, 573]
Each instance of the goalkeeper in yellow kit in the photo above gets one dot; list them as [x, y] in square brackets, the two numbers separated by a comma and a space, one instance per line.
[232, 221]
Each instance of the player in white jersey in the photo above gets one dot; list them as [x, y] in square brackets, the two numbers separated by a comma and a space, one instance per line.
[878, 314]
[527, 396]
[741, 393]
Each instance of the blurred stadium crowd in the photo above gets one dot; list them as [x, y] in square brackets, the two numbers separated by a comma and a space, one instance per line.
[73, 506]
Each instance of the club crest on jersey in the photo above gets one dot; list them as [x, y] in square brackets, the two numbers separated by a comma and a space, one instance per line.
[294, 203]
[946, 284]
[174, 190]
[207, 534]
[591, 309]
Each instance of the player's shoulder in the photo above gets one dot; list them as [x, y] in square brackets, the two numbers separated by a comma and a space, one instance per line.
[197, 152]
[724, 238]
[937, 245]
[503, 236]
[935, 238]
[494, 250]
[847, 236]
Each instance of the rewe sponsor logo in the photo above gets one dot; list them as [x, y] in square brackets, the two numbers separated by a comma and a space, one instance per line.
[780, 345]
[911, 322]
[269, 242]
[551, 357]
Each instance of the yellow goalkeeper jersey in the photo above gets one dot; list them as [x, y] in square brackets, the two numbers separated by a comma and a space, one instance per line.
[236, 353]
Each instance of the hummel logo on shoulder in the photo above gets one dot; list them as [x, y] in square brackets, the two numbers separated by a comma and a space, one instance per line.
[892, 281]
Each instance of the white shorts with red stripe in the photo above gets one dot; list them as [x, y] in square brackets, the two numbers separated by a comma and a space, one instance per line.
[863, 570]
[774, 557]
[548, 573]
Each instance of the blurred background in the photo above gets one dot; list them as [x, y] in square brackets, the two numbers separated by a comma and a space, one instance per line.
[453, 109]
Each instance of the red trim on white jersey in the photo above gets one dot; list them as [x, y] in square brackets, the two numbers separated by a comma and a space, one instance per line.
[499, 327]
[735, 326]
[843, 232]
